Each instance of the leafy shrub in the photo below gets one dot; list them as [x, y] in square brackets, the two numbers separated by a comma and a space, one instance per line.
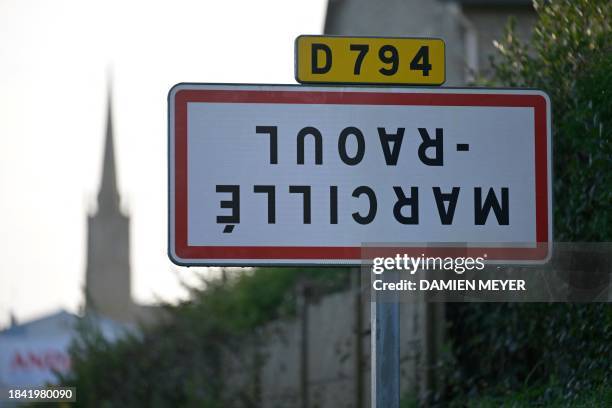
[178, 362]
[547, 353]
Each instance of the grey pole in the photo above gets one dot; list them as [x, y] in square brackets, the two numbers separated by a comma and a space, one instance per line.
[385, 353]
[359, 360]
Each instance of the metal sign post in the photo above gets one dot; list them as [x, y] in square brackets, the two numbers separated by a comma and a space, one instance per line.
[385, 354]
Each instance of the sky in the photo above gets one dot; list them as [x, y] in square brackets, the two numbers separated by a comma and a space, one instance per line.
[56, 60]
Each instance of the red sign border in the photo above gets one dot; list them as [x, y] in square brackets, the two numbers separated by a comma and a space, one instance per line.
[343, 255]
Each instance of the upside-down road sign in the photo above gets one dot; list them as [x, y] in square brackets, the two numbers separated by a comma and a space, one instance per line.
[300, 175]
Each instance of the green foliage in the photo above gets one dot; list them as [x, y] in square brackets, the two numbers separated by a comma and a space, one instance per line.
[500, 348]
[167, 366]
[551, 354]
[409, 400]
[599, 397]
[178, 362]
[247, 299]
[570, 58]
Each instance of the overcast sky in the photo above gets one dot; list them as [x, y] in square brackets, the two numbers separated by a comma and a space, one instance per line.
[54, 62]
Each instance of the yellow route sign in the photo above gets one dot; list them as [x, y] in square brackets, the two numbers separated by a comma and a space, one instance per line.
[369, 60]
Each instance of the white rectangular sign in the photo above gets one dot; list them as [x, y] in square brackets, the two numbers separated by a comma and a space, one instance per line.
[269, 174]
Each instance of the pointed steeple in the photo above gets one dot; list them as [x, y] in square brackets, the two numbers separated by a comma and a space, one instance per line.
[107, 277]
[108, 196]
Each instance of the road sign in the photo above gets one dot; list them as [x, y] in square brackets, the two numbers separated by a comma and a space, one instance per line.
[269, 174]
[369, 60]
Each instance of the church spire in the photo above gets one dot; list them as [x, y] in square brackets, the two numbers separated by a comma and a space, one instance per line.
[108, 282]
[108, 196]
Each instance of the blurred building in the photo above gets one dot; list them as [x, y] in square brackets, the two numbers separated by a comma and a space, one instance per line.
[108, 277]
[468, 27]
[32, 353]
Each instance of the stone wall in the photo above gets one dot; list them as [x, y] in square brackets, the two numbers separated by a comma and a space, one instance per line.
[321, 358]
